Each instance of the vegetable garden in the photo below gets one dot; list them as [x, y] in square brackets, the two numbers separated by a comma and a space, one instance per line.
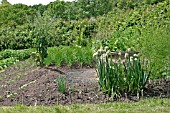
[99, 51]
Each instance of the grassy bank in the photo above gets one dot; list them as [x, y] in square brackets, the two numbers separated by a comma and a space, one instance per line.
[144, 106]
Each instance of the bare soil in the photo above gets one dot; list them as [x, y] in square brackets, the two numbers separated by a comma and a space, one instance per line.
[32, 86]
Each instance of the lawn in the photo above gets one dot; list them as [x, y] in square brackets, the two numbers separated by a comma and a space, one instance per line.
[144, 106]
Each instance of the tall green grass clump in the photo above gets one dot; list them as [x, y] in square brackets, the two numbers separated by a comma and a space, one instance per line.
[118, 76]
[69, 56]
[61, 84]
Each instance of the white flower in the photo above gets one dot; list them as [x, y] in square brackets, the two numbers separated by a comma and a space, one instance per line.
[135, 55]
[104, 55]
[128, 49]
[135, 59]
[126, 55]
[112, 67]
[108, 52]
[119, 59]
[100, 50]
[131, 58]
[119, 53]
[33, 52]
[78, 46]
[106, 48]
[95, 54]
[124, 78]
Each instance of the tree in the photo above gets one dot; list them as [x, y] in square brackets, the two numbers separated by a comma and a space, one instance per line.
[5, 2]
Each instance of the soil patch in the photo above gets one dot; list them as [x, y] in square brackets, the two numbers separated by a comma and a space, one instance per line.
[33, 86]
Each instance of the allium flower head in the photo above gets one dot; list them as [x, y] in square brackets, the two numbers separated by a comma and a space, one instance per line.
[103, 56]
[128, 49]
[95, 54]
[135, 55]
[135, 59]
[131, 58]
[108, 52]
[119, 53]
[106, 48]
[100, 50]
[126, 55]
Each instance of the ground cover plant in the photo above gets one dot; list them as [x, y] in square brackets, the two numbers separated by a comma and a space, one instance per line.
[9, 57]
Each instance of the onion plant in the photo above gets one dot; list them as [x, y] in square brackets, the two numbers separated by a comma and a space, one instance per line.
[61, 84]
[128, 75]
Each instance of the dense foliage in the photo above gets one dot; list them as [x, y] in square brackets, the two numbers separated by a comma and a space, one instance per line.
[119, 24]
[78, 22]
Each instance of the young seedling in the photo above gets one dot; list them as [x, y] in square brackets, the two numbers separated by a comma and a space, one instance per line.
[61, 84]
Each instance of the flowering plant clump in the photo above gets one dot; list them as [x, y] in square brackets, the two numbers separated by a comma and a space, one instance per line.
[127, 74]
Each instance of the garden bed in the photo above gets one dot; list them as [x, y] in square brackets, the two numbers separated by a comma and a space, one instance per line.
[38, 86]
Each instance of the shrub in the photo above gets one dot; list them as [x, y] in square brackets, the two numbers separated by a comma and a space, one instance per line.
[154, 44]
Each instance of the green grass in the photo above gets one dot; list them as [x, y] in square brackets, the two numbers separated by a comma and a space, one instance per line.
[144, 106]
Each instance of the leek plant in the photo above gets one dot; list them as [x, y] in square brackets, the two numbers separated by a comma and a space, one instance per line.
[128, 75]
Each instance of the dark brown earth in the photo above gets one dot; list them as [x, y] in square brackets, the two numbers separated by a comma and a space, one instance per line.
[29, 85]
